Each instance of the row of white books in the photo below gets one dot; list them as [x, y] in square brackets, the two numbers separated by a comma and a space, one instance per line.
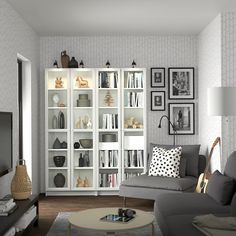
[131, 174]
[134, 80]
[108, 158]
[108, 79]
[110, 121]
[135, 99]
[133, 158]
[7, 205]
[108, 180]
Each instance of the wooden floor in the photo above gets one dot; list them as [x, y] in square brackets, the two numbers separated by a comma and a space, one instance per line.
[49, 207]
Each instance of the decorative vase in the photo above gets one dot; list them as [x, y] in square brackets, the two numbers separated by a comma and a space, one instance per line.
[61, 120]
[76, 145]
[56, 144]
[54, 122]
[21, 186]
[81, 160]
[59, 160]
[64, 145]
[59, 180]
[64, 59]
[86, 159]
[73, 63]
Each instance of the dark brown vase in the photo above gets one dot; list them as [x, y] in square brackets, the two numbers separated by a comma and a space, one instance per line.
[59, 180]
[73, 63]
[59, 160]
[65, 59]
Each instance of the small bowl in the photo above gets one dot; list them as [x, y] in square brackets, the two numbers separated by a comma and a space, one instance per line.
[86, 143]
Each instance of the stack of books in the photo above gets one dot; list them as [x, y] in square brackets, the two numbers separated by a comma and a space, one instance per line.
[7, 205]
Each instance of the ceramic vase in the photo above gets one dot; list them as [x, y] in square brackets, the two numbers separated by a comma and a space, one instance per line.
[73, 63]
[59, 160]
[59, 180]
[64, 60]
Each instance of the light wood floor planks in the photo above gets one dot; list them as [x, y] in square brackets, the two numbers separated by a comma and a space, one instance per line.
[49, 207]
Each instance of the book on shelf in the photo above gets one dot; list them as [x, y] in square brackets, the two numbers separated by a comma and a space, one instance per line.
[9, 210]
[109, 180]
[135, 99]
[131, 174]
[108, 79]
[133, 158]
[110, 121]
[108, 158]
[134, 80]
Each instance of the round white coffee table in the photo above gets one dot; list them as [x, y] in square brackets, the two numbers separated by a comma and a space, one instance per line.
[90, 219]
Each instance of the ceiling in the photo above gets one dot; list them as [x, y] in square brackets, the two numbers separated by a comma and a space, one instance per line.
[99, 17]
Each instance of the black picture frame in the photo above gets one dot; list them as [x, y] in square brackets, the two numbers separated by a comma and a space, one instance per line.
[158, 77]
[158, 100]
[182, 116]
[181, 83]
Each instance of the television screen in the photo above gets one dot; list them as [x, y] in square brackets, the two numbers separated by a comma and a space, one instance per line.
[5, 142]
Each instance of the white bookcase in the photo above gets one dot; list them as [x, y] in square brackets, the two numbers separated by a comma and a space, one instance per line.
[133, 112]
[108, 110]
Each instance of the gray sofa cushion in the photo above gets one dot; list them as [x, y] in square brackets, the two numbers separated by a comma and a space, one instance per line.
[159, 182]
[221, 187]
[188, 203]
[233, 205]
[190, 152]
[230, 167]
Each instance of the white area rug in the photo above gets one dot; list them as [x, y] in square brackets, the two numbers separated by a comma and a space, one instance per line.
[60, 228]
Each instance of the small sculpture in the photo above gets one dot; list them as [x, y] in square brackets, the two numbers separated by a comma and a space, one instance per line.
[86, 182]
[55, 65]
[81, 83]
[89, 124]
[78, 123]
[80, 182]
[58, 83]
[108, 99]
[85, 122]
[56, 99]
[132, 123]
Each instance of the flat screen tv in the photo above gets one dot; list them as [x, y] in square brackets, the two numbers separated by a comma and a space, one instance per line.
[6, 159]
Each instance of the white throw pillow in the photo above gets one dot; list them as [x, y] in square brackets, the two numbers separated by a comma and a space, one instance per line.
[165, 162]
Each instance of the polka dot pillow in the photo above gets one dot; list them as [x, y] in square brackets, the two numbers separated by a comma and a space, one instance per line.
[165, 162]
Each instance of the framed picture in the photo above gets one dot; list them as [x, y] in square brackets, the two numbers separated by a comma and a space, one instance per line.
[158, 101]
[182, 117]
[157, 77]
[181, 83]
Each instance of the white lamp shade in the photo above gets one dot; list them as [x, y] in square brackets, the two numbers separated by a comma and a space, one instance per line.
[221, 101]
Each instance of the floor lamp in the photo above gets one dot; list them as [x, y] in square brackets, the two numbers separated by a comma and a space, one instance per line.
[221, 102]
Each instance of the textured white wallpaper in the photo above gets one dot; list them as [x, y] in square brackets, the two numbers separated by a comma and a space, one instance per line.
[229, 77]
[17, 37]
[149, 51]
[209, 63]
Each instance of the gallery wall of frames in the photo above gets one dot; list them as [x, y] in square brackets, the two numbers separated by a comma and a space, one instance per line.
[180, 95]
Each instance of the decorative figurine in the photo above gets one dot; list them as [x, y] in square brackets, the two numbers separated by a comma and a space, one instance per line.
[108, 99]
[55, 99]
[132, 123]
[85, 122]
[81, 83]
[86, 182]
[58, 83]
[78, 123]
[80, 182]
[89, 124]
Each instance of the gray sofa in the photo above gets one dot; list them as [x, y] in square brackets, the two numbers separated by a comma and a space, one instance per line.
[175, 212]
[149, 187]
